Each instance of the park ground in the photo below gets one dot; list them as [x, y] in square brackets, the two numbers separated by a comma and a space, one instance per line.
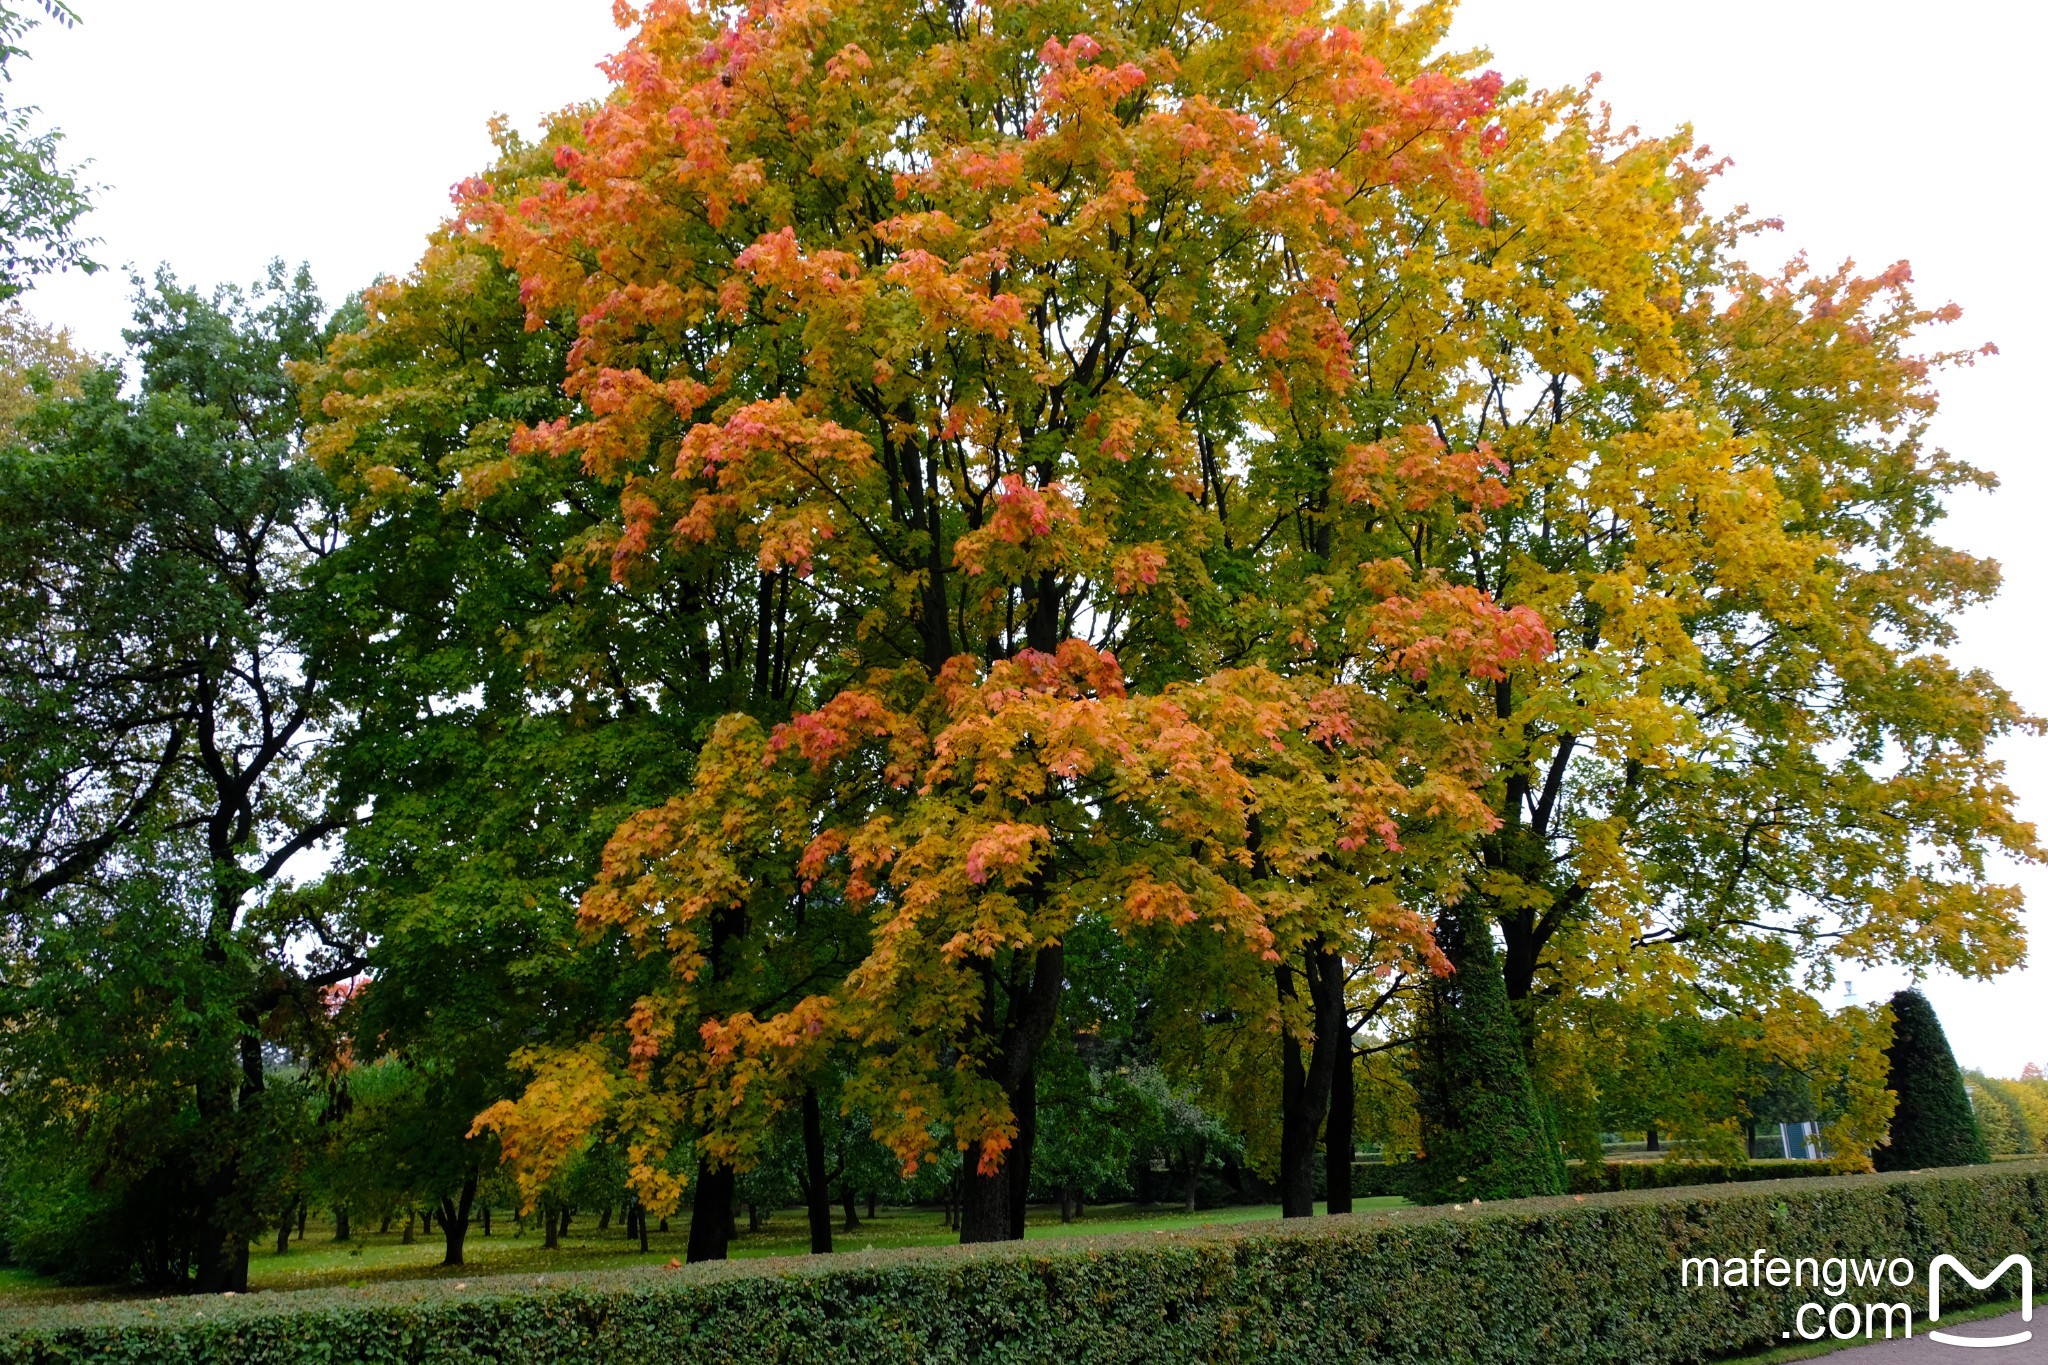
[317, 1261]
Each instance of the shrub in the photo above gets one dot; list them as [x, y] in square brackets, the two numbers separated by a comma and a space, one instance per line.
[1585, 1278]
[1486, 1131]
[1933, 1125]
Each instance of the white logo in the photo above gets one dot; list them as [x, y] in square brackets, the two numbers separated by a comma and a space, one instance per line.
[2026, 1298]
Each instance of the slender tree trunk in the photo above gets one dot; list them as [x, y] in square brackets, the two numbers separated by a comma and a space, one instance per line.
[1018, 1167]
[302, 1220]
[1066, 1203]
[486, 1211]
[426, 1220]
[455, 1220]
[640, 1223]
[551, 1238]
[568, 1212]
[384, 1227]
[1195, 1158]
[284, 1233]
[871, 1206]
[1337, 1131]
[992, 1201]
[411, 1216]
[852, 1223]
[817, 1199]
[1650, 1139]
[711, 1214]
[1305, 1082]
[341, 1231]
[604, 1217]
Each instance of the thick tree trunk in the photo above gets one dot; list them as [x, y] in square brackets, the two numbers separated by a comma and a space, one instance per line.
[852, 1223]
[384, 1227]
[604, 1217]
[411, 1217]
[455, 1221]
[1018, 1167]
[871, 1206]
[992, 1203]
[1305, 1082]
[817, 1199]
[551, 1236]
[711, 1214]
[341, 1233]
[284, 1233]
[984, 1201]
[1337, 1132]
[1650, 1139]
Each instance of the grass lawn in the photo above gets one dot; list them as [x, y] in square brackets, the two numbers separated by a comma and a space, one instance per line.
[320, 1262]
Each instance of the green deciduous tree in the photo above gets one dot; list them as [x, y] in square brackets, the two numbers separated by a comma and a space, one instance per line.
[160, 707]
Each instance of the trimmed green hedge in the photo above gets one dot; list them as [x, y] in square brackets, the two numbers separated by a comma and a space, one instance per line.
[1371, 1178]
[1571, 1278]
[1588, 1178]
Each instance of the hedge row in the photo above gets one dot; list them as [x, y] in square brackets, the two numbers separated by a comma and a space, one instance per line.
[1370, 1179]
[1578, 1278]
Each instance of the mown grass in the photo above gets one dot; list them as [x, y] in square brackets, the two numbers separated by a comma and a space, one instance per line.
[319, 1262]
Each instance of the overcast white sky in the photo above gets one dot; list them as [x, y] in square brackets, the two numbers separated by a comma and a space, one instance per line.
[227, 132]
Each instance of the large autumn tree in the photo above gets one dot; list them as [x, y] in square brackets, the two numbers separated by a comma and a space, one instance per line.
[961, 323]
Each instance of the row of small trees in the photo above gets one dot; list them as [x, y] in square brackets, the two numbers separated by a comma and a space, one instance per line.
[982, 572]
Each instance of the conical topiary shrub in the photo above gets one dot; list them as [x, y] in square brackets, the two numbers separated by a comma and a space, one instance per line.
[1933, 1125]
[1485, 1133]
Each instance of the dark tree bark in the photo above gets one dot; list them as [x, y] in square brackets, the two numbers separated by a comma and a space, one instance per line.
[1650, 1139]
[411, 1217]
[1194, 1181]
[284, 1233]
[1337, 1131]
[1305, 1082]
[852, 1223]
[817, 1199]
[455, 1220]
[1018, 1167]
[604, 1217]
[486, 1211]
[302, 1220]
[551, 1237]
[341, 1233]
[711, 1214]
[992, 1201]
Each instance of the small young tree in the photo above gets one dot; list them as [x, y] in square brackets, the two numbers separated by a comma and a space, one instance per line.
[1933, 1125]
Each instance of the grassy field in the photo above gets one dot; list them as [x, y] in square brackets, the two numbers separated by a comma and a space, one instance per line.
[319, 1261]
